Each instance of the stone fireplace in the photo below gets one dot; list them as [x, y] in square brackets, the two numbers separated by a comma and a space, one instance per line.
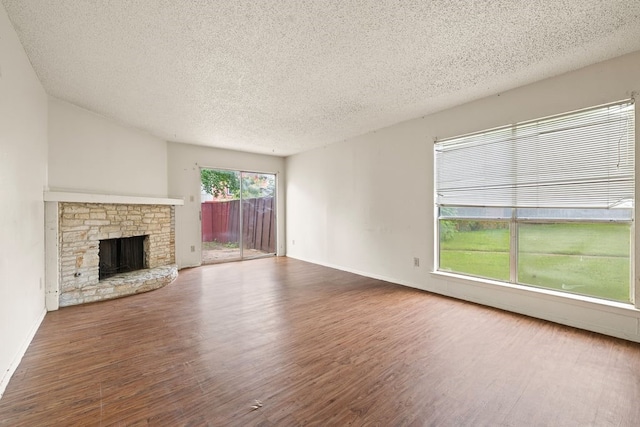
[107, 249]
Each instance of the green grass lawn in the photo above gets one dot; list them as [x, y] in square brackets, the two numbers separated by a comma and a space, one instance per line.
[587, 259]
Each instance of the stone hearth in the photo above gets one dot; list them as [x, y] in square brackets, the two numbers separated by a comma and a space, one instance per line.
[80, 228]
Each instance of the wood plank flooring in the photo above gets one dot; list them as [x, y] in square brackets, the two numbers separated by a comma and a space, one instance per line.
[315, 346]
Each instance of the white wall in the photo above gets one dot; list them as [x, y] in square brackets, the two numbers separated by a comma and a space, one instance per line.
[93, 154]
[185, 161]
[23, 176]
[366, 205]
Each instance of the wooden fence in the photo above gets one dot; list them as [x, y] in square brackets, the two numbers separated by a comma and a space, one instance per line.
[221, 223]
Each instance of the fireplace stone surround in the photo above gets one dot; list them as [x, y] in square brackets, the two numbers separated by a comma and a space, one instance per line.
[75, 224]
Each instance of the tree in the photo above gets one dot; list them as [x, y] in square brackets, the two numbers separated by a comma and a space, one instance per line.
[447, 227]
[220, 183]
[257, 185]
[226, 184]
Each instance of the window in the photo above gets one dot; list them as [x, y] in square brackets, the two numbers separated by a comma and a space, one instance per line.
[547, 203]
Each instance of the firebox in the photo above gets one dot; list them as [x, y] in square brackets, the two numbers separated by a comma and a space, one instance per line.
[121, 256]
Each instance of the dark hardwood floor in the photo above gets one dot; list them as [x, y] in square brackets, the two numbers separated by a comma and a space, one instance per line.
[315, 346]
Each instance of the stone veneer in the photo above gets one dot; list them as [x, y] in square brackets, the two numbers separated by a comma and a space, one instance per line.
[83, 225]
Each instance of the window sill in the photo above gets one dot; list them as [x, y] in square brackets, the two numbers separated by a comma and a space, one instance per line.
[547, 294]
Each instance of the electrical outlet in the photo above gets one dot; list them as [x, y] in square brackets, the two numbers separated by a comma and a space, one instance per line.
[416, 262]
[293, 242]
[193, 248]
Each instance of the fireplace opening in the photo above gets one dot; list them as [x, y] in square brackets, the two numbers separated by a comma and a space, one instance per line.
[121, 256]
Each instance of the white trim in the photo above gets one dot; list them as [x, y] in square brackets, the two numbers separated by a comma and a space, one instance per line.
[61, 196]
[4, 381]
[635, 243]
[51, 266]
[359, 272]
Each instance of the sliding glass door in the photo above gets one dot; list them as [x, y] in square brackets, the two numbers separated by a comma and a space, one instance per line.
[238, 215]
[258, 214]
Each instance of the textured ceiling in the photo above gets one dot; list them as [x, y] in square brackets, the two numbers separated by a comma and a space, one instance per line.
[285, 76]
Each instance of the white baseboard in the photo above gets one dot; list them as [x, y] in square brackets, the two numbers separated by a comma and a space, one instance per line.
[613, 319]
[358, 272]
[20, 354]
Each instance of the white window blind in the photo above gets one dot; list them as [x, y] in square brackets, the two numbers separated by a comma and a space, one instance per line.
[583, 159]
